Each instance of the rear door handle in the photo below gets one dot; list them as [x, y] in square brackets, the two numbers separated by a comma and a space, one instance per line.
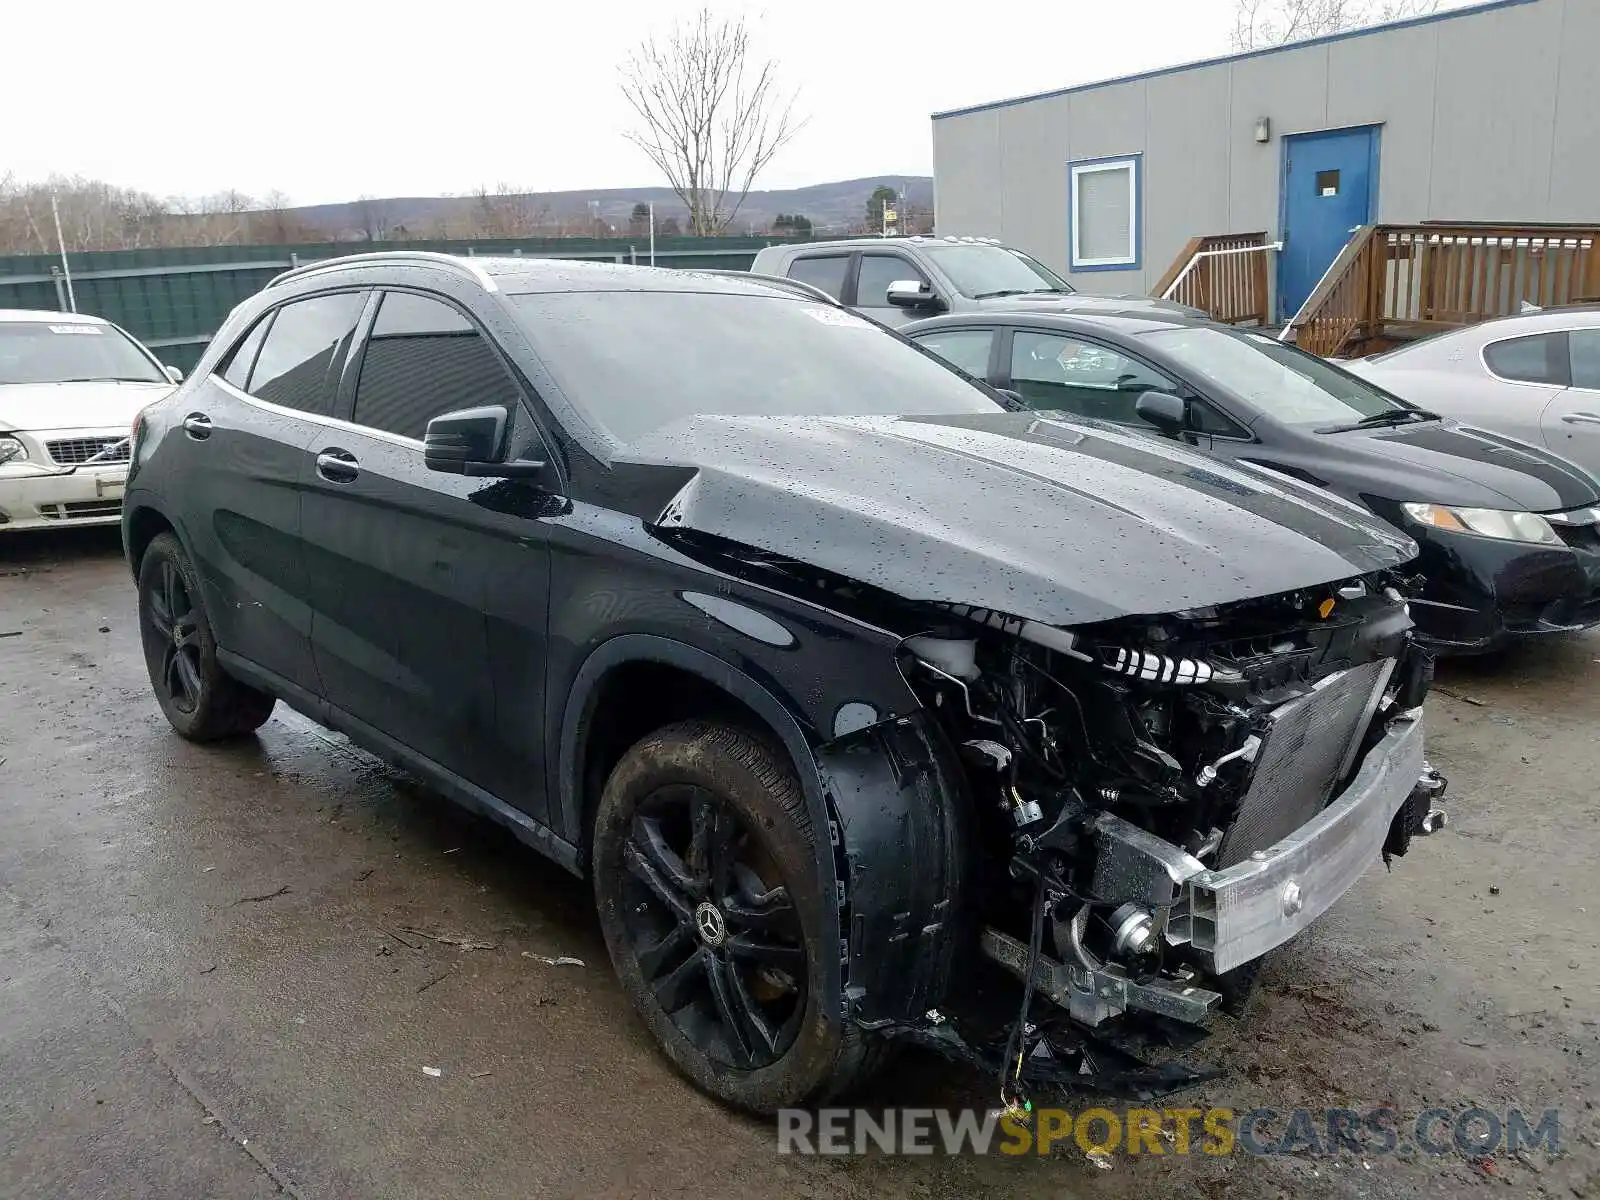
[197, 426]
[338, 466]
[1581, 418]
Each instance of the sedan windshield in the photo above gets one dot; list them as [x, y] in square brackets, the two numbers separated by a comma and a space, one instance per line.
[634, 361]
[1283, 382]
[980, 270]
[71, 352]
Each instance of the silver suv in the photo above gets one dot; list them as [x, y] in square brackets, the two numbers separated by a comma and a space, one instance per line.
[897, 280]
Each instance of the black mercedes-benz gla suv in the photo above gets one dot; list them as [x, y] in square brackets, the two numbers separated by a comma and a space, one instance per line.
[846, 683]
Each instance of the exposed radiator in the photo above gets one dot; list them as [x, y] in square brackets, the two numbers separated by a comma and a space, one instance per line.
[1303, 755]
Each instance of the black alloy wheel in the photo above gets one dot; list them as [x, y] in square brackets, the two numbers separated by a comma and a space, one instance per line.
[201, 700]
[707, 885]
[172, 636]
[717, 937]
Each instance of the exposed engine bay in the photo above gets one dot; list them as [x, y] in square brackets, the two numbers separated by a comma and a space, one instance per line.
[1129, 776]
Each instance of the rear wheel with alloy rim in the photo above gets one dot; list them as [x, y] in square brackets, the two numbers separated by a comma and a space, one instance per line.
[201, 700]
[706, 886]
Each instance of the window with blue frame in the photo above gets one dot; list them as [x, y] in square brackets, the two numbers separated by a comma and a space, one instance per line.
[1105, 213]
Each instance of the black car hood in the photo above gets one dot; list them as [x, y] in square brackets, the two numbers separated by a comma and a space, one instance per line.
[1444, 462]
[1059, 522]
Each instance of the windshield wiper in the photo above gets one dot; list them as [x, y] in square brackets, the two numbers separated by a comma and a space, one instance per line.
[1393, 416]
[1039, 291]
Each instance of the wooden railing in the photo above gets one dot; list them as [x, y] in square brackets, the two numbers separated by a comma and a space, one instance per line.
[1223, 274]
[1399, 282]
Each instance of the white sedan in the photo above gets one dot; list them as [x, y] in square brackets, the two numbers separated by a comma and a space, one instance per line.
[1534, 377]
[70, 386]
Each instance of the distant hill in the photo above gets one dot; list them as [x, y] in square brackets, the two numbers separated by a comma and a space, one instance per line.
[826, 204]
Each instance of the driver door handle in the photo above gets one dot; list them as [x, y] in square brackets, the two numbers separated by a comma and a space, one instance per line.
[1581, 418]
[197, 426]
[337, 466]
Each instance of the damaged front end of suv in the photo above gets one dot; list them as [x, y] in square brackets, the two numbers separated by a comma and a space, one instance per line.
[1153, 732]
[1160, 801]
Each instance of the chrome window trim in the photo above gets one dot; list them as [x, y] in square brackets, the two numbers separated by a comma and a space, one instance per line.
[283, 410]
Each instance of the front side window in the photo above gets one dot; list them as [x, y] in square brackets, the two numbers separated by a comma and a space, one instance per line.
[876, 273]
[1067, 374]
[1105, 213]
[298, 365]
[1293, 386]
[826, 272]
[69, 351]
[424, 358]
[634, 361]
[967, 350]
[983, 271]
[1540, 358]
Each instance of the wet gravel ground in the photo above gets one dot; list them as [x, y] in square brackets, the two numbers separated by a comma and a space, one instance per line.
[223, 971]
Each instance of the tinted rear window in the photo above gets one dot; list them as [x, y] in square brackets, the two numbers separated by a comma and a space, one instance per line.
[1537, 359]
[826, 272]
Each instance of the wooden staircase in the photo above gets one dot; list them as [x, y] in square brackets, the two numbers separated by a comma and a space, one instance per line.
[1396, 283]
[1223, 274]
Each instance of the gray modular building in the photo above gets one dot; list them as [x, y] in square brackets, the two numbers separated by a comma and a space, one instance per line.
[1486, 114]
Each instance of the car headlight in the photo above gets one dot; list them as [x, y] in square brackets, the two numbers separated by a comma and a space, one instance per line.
[11, 449]
[1486, 522]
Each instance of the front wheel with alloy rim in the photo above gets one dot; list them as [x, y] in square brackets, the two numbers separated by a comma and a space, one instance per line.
[201, 700]
[705, 878]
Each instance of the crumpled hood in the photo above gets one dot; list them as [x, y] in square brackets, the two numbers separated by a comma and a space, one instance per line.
[40, 406]
[1035, 517]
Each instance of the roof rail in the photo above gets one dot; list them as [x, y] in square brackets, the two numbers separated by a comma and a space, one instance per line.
[808, 290]
[455, 262]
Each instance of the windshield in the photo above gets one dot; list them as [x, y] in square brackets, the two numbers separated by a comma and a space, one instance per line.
[1288, 384]
[980, 270]
[39, 352]
[634, 361]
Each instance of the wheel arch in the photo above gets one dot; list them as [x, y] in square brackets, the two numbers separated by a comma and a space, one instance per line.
[614, 661]
[141, 525]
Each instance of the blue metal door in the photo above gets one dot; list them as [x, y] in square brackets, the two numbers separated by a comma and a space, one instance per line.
[1329, 187]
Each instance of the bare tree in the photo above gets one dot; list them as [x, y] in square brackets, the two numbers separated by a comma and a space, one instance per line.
[505, 212]
[711, 117]
[373, 214]
[1260, 23]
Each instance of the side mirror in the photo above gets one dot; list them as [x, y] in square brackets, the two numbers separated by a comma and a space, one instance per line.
[1168, 413]
[473, 442]
[173, 373]
[912, 293]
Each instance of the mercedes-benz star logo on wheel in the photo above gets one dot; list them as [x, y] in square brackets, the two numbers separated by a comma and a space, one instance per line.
[708, 920]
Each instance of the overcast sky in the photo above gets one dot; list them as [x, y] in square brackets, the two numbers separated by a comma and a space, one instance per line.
[330, 99]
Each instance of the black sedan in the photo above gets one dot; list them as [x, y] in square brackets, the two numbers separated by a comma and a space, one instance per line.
[1510, 533]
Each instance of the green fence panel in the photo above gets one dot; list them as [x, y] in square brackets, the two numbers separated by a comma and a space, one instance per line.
[174, 298]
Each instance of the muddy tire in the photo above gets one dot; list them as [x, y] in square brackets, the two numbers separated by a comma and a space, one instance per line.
[201, 700]
[705, 879]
